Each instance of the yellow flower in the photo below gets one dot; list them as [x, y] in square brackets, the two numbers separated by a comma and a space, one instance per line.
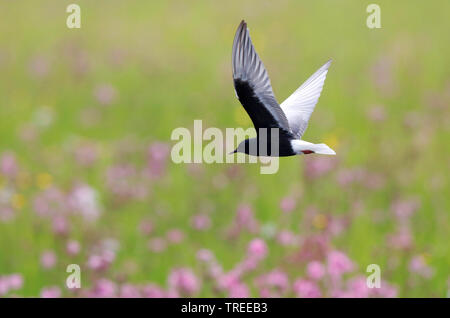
[44, 180]
[320, 221]
[17, 201]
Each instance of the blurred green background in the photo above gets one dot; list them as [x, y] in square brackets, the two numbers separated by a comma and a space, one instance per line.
[136, 70]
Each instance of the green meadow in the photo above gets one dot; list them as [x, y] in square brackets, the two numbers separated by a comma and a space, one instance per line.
[86, 117]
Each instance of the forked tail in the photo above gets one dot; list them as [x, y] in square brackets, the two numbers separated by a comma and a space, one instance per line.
[323, 149]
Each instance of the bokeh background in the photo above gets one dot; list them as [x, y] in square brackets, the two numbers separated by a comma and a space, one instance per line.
[86, 175]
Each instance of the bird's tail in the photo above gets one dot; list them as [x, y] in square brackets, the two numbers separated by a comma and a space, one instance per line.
[323, 149]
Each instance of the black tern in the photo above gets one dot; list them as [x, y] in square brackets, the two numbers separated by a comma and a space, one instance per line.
[254, 91]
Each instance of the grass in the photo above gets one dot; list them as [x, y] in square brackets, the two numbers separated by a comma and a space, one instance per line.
[169, 63]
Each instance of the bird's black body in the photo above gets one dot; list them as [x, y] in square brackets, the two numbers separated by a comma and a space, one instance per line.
[269, 149]
[266, 126]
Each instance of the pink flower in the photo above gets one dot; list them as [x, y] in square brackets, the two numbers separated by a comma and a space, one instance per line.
[238, 290]
[287, 204]
[146, 227]
[201, 222]
[4, 286]
[175, 236]
[336, 225]
[250, 263]
[306, 289]
[205, 255]
[28, 132]
[158, 154]
[376, 113]
[315, 270]
[171, 294]
[101, 261]
[10, 282]
[244, 220]
[382, 75]
[157, 245]
[15, 281]
[39, 67]
[374, 181]
[257, 249]
[48, 259]
[84, 200]
[8, 164]
[50, 202]
[385, 291]
[278, 279]
[435, 100]
[418, 265]
[105, 94]
[214, 270]
[412, 120]
[117, 57]
[370, 180]
[314, 247]
[125, 182]
[51, 292]
[338, 264]
[73, 247]
[227, 280]
[402, 239]
[153, 291]
[286, 237]
[86, 155]
[60, 225]
[129, 291]
[104, 288]
[212, 267]
[6, 214]
[78, 60]
[318, 166]
[357, 287]
[346, 177]
[244, 215]
[404, 209]
[184, 281]
[273, 284]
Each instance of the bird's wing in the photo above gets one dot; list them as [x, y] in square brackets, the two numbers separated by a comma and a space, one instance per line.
[299, 106]
[252, 84]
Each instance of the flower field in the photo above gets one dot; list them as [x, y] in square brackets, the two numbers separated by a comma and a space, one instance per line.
[86, 175]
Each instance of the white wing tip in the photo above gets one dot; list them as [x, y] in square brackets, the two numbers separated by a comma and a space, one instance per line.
[327, 64]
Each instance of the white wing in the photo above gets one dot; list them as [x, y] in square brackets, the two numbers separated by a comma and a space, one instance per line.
[299, 106]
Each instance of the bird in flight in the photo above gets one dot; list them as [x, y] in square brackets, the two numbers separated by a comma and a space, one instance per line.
[254, 91]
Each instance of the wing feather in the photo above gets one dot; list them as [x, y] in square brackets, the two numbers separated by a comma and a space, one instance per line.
[252, 84]
[299, 106]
